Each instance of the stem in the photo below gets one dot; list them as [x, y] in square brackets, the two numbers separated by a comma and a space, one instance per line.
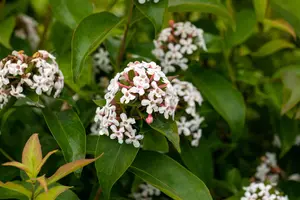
[6, 155]
[47, 22]
[33, 191]
[123, 42]
[98, 193]
[229, 66]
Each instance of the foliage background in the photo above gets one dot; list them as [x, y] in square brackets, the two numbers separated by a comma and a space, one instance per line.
[249, 77]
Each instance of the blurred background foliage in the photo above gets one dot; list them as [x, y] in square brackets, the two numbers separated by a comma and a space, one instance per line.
[249, 77]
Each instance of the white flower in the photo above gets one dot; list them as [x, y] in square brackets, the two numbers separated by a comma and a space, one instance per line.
[101, 61]
[264, 170]
[175, 43]
[146, 192]
[17, 91]
[144, 85]
[144, 1]
[3, 98]
[183, 126]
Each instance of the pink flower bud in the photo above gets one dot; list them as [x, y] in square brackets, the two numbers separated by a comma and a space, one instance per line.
[149, 119]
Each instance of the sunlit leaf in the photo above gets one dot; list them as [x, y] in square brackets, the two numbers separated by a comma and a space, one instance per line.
[52, 193]
[281, 25]
[16, 187]
[260, 8]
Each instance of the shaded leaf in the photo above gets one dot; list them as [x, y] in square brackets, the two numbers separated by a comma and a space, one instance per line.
[291, 83]
[288, 131]
[168, 176]
[234, 179]
[224, 98]
[198, 159]
[71, 12]
[68, 131]
[155, 141]
[16, 187]
[168, 128]
[6, 26]
[116, 160]
[89, 34]
[155, 12]
[272, 47]
[52, 193]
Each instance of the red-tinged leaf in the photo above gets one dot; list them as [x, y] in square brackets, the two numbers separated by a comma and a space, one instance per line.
[43, 182]
[16, 187]
[69, 168]
[32, 155]
[281, 25]
[45, 159]
[52, 193]
[18, 165]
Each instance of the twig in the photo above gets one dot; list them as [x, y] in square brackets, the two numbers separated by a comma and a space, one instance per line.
[123, 42]
[98, 193]
[6, 155]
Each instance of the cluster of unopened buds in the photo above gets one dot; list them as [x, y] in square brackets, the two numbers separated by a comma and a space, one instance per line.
[176, 44]
[262, 191]
[146, 192]
[144, 1]
[101, 61]
[19, 72]
[268, 170]
[190, 121]
[141, 90]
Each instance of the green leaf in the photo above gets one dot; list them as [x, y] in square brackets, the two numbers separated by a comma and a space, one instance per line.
[88, 35]
[245, 27]
[291, 81]
[288, 131]
[224, 98]
[168, 128]
[288, 9]
[68, 131]
[16, 187]
[69, 168]
[155, 141]
[281, 25]
[32, 155]
[71, 12]
[260, 8]
[169, 176]
[207, 6]
[6, 26]
[155, 12]
[52, 193]
[198, 159]
[272, 47]
[100, 102]
[115, 161]
[234, 179]
[91, 143]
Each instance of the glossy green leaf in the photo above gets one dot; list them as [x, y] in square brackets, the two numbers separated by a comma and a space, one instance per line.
[168, 128]
[91, 31]
[272, 47]
[155, 12]
[198, 159]
[155, 141]
[260, 8]
[288, 10]
[16, 187]
[224, 98]
[71, 12]
[169, 176]
[52, 193]
[245, 27]
[115, 161]
[207, 6]
[6, 26]
[68, 131]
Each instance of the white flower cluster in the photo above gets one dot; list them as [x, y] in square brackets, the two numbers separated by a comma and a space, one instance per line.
[268, 169]
[27, 29]
[145, 86]
[176, 43]
[146, 192]
[101, 61]
[144, 1]
[39, 72]
[261, 191]
[189, 98]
